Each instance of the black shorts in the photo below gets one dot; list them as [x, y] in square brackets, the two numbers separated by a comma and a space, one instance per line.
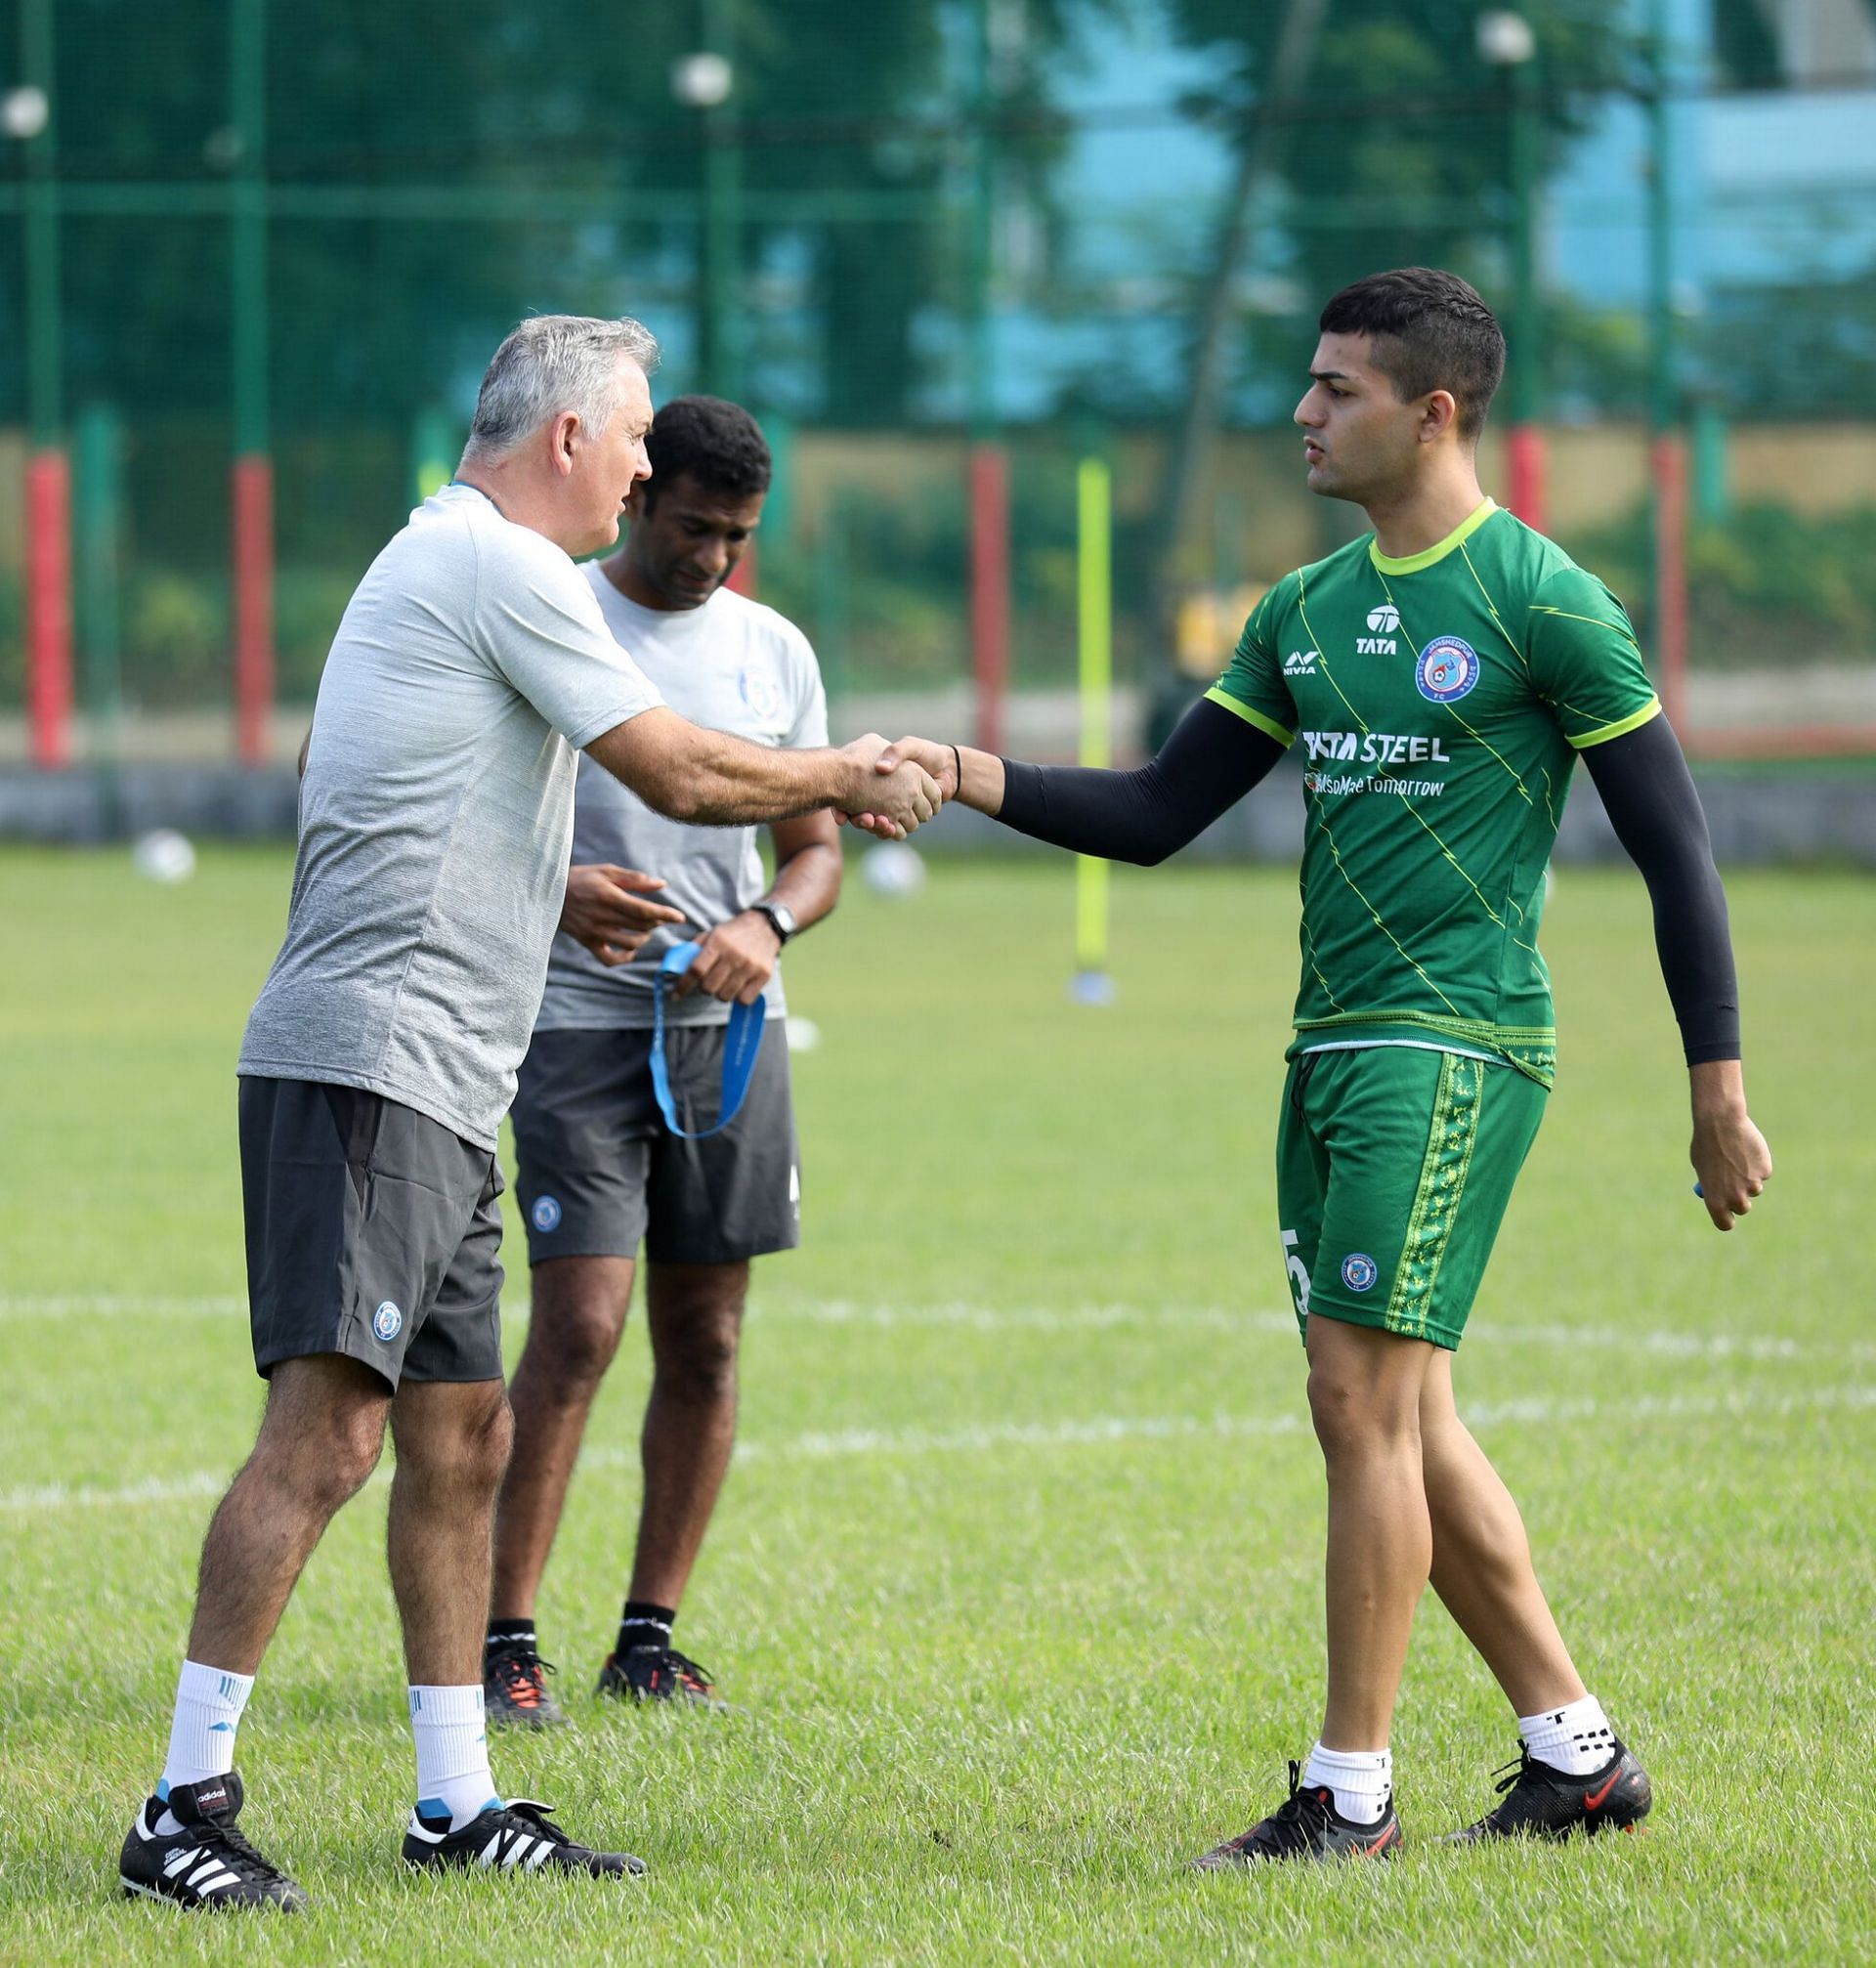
[372, 1231]
[597, 1171]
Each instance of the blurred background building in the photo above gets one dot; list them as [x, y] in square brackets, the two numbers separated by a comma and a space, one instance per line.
[253, 258]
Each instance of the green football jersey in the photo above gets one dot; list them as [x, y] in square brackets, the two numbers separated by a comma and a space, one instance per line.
[1442, 698]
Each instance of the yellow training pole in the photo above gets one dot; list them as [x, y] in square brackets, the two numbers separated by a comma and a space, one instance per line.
[1095, 569]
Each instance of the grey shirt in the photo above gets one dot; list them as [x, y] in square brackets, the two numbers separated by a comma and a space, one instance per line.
[732, 665]
[435, 816]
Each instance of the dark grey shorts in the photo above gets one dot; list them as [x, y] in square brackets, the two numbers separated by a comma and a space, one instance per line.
[372, 1231]
[597, 1169]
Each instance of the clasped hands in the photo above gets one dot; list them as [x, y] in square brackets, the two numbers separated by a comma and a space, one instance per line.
[612, 912]
[911, 780]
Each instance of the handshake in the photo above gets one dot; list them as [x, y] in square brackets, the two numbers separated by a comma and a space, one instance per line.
[901, 786]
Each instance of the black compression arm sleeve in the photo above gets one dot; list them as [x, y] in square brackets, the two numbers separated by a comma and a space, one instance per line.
[1649, 796]
[1212, 760]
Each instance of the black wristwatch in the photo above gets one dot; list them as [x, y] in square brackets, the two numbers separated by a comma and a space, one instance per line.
[781, 917]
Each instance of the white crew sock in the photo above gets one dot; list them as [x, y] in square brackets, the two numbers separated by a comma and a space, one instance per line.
[1363, 1780]
[1575, 1738]
[452, 1753]
[202, 1734]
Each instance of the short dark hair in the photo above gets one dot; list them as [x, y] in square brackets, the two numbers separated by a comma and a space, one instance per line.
[1431, 332]
[716, 443]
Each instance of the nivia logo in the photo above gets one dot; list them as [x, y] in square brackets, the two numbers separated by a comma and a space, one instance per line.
[1384, 620]
[1359, 1272]
[1299, 663]
[387, 1321]
[1447, 670]
[546, 1213]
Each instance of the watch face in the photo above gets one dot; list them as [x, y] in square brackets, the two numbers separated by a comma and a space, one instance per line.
[783, 916]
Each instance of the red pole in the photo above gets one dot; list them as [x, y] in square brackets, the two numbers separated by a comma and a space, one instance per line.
[48, 604]
[989, 588]
[251, 491]
[1670, 467]
[1526, 460]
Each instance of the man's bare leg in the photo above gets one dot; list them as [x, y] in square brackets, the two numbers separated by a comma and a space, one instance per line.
[1482, 1565]
[452, 1439]
[319, 1441]
[578, 1315]
[695, 1316]
[1364, 1399]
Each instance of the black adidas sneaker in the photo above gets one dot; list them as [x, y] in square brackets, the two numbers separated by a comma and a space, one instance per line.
[514, 1837]
[208, 1862]
[656, 1674]
[514, 1688]
[1306, 1825]
[1541, 1802]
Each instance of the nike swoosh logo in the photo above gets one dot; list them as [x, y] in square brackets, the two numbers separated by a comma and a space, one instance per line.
[1593, 1800]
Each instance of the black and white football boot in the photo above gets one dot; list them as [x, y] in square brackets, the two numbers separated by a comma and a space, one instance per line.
[514, 1837]
[1306, 1825]
[207, 1861]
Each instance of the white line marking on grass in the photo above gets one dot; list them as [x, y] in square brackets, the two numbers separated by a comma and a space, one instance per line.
[1099, 1431]
[959, 1315]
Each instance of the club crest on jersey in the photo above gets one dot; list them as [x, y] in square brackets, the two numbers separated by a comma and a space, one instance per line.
[1447, 670]
[759, 690]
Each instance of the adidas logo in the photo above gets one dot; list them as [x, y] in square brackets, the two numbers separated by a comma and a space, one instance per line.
[1299, 663]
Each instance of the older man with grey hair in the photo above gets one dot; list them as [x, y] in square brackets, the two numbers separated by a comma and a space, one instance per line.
[436, 817]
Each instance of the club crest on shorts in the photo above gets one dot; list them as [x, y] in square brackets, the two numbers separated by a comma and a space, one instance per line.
[545, 1213]
[1447, 670]
[387, 1321]
[1359, 1272]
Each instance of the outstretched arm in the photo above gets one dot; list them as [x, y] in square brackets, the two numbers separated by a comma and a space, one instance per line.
[709, 779]
[1211, 761]
[1649, 796]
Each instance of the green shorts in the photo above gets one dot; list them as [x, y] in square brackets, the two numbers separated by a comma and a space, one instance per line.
[1394, 1165]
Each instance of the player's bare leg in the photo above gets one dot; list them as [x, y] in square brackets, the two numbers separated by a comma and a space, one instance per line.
[580, 1308]
[1364, 1399]
[1482, 1565]
[695, 1317]
[452, 1439]
[319, 1441]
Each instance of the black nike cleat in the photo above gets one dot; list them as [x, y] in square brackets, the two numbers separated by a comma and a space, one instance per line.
[514, 1688]
[208, 1862]
[514, 1837]
[1306, 1825]
[656, 1674]
[1541, 1802]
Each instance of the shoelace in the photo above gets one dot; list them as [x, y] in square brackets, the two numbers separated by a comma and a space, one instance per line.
[1287, 1826]
[520, 1668]
[230, 1841]
[1516, 1769]
[683, 1666]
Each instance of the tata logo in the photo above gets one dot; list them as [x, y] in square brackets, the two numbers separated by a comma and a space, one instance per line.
[1384, 622]
[1373, 747]
[1299, 663]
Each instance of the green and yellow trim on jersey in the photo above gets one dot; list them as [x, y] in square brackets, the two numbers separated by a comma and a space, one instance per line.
[1431, 556]
[1620, 728]
[1238, 708]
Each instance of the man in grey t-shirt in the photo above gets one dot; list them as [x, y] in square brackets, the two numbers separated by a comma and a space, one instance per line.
[599, 1169]
[436, 821]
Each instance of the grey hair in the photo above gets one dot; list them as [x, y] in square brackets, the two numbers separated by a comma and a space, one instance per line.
[552, 364]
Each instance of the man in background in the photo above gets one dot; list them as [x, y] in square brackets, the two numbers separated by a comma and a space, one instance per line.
[599, 1172]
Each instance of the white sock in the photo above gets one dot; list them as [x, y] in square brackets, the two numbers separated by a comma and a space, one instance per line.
[1575, 1738]
[452, 1753]
[202, 1732]
[1363, 1780]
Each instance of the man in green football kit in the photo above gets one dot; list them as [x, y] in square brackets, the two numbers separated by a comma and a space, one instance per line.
[1441, 675]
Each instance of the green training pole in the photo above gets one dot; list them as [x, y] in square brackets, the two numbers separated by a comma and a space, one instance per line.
[1095, 570]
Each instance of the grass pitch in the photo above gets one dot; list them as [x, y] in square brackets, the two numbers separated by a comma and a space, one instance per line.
[1016, 1581]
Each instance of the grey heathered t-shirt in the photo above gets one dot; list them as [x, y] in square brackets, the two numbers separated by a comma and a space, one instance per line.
[437, 814]
[732, 665]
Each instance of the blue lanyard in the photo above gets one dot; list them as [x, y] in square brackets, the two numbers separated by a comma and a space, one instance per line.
[743, 1040]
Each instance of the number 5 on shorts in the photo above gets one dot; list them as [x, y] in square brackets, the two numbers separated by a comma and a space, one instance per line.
[1299, 1274]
